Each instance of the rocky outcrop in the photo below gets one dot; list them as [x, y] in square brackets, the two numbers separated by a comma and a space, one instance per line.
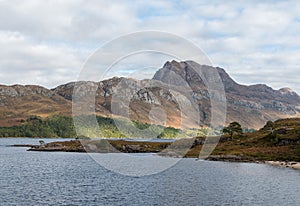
[20, 91]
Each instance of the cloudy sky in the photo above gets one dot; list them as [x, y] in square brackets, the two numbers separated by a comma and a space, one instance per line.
[48, 42]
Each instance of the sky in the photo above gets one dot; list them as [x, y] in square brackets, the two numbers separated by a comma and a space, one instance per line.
[48, 42]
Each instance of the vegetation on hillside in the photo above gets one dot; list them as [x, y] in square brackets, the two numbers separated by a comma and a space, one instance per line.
[279, 140]
[232, 128]
[34, 126]
[63, 126]
[276, 141]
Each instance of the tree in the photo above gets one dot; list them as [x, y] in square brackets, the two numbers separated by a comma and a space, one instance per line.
[269, 126]
[42, 142]
[233, 127]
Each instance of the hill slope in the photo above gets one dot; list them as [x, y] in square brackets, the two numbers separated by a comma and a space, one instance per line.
[18, 102]
[251, 105]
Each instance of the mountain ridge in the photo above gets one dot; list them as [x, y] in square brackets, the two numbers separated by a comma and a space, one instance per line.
[250, 105]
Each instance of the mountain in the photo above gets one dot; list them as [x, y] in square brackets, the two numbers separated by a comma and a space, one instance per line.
[251, 105]
[173, 95]
[18, 102]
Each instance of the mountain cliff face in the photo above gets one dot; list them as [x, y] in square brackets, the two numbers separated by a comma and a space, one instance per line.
[250, 105]
[166, 97]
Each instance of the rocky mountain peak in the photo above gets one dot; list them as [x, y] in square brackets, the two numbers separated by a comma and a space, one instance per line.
[188, 71]
[174, 72]
[287, 91]
[255, 101]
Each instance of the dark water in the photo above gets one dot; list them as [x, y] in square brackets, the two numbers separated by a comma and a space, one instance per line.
[40, 178]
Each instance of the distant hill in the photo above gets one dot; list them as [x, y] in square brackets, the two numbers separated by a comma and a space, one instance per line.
[252, 106]
[19, 102]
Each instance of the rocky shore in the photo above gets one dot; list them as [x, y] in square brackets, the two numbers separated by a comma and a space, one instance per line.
[102, 146]
[24, 145]
[230, 158]
[177, 148]
[293, 165]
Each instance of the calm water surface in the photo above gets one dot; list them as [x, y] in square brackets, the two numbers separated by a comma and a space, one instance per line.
[41, 178]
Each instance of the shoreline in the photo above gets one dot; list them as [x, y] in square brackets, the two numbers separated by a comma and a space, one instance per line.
[292, 165]
[161, 148]
[283, 164]
[218, 158]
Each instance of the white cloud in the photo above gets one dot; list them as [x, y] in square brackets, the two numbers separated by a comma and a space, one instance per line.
[46, 42]
[26, 62]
